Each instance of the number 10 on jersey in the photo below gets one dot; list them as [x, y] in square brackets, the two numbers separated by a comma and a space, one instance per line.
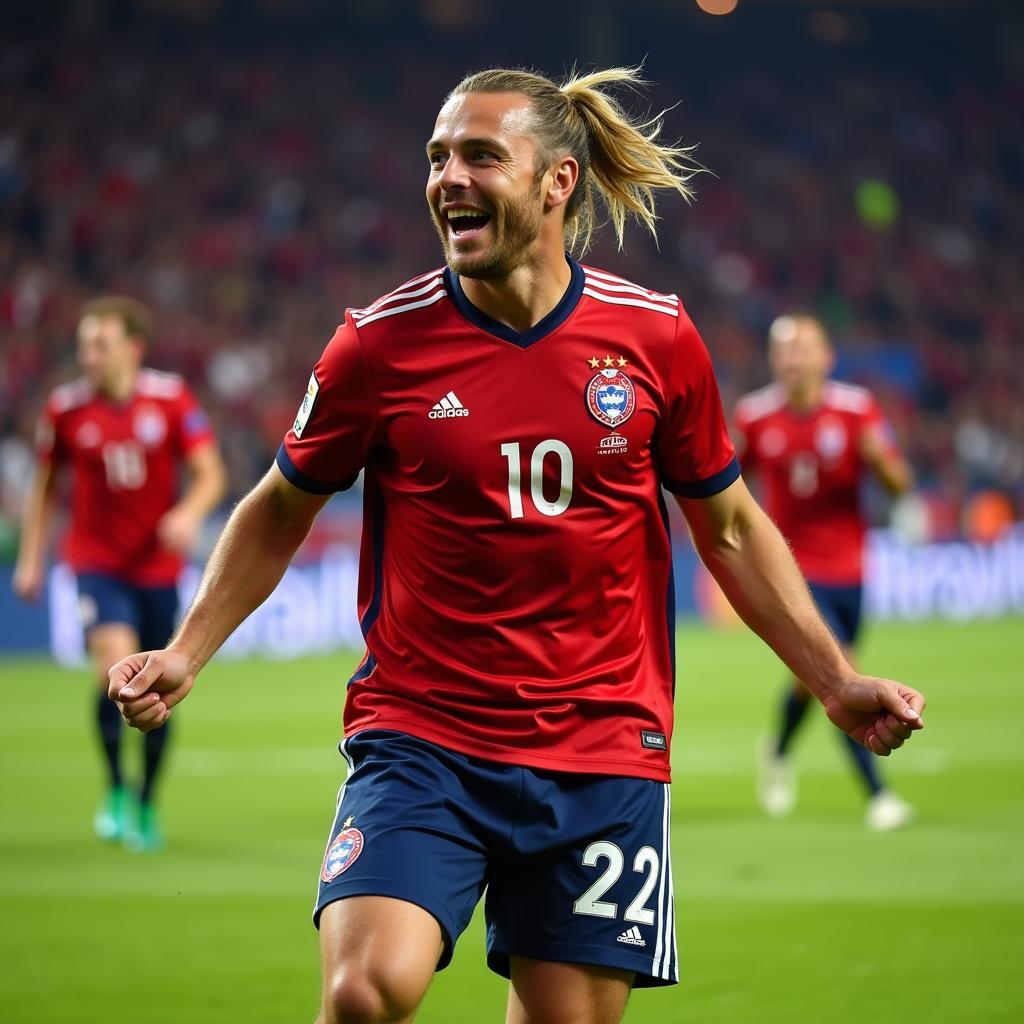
[557, 449]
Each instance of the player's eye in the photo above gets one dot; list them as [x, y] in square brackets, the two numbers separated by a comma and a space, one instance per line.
[484, 154]
[437, 159]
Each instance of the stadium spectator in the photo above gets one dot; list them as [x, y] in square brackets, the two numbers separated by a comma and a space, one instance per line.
[228, 200]
[125, 433]
[510, 724]
[811, 441]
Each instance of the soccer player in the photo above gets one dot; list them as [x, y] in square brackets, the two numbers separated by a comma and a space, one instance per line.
[125, 432]
[811, 440]
[516, 414]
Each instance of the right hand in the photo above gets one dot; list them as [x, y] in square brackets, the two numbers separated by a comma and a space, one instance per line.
[146, 686]
[28, 581]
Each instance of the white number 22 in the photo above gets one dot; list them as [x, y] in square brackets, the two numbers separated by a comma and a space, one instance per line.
[591, 904]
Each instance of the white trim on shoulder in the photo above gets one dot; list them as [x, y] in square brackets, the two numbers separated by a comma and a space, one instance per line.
[761, 403]
[397, 296]
[71, 395]
[157, 384]
[597, 279]
[617, 301]
[850, 397]
[394, 310]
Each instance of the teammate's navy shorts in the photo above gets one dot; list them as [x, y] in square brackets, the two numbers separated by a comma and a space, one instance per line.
[577, 867]
[151, 611]
[840, 607]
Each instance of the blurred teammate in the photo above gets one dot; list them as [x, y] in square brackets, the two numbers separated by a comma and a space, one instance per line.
[510, 724]
[811, 440]
[126, 433]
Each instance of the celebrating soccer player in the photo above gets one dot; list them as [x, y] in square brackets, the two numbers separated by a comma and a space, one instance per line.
[811, 441]
[516, 414]
[125, 432]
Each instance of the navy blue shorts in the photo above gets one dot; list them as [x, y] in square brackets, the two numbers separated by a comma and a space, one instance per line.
[840, 607]
[577, 867]
[151, 611]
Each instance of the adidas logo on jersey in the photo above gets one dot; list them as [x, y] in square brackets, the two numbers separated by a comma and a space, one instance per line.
[632, 937]
[448, 408]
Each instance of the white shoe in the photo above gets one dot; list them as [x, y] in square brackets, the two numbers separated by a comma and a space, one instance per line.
[887, 811]
[776, 782]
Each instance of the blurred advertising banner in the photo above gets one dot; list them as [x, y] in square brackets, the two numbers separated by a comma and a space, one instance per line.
[313, 609]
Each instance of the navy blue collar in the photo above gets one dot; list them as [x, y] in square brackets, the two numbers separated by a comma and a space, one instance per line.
[566, 304]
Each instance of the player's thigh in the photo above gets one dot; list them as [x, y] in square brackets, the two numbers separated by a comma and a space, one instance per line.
[559, 993]
[378, 956]
[111, 617]
[403, 869]
[591, 882]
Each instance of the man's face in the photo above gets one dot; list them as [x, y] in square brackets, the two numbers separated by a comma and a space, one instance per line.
[800, 353]
[105, 350]
[484, 192]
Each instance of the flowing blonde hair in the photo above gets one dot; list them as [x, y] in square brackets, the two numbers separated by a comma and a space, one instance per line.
[622, 163]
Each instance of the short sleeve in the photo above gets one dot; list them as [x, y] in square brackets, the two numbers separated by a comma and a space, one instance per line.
[193, 423]
[49, 446]
[741, 438]
[694, 454]
[328, 442]
[874, 419]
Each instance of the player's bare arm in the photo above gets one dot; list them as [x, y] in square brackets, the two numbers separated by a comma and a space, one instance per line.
[753, 565]
[207, 483]
[258, 542]
[891, 468]
[30, 569]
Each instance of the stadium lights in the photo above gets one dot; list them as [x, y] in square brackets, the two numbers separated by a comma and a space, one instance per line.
[717, 6]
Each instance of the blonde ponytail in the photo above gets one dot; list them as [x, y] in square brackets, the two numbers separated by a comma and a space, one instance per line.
[622, 163]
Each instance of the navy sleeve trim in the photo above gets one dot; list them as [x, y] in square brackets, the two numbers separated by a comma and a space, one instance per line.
[706, 488]
[307, 483]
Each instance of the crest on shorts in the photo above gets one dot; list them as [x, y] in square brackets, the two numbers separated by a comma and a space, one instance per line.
[611, 397]
[342, 853]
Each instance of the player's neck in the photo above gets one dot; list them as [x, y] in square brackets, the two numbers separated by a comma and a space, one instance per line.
[121, 386]
[526, 296]
[807, 397]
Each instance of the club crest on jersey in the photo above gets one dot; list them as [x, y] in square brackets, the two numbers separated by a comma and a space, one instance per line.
[611, 397]
[342, 853]
[149, 425]
[830, 439]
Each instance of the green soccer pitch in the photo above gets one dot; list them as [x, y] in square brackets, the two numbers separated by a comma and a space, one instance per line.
[808, 919]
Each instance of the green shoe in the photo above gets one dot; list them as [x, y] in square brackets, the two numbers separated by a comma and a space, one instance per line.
[113, 817]
[144, 836]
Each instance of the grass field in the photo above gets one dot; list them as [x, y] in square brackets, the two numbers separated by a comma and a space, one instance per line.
[811, 919]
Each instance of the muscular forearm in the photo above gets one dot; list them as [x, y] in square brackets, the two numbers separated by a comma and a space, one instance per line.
[248, 562]
[756, 570]
[37, 518]
[206, 487]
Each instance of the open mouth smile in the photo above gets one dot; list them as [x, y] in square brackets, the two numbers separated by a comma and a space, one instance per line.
[465, 221]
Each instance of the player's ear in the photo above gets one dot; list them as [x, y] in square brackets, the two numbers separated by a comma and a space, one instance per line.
[564, 174]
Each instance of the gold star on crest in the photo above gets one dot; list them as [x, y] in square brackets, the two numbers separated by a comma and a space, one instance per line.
[622, 362]
[594, 362]
[348, 821]
[608, 360]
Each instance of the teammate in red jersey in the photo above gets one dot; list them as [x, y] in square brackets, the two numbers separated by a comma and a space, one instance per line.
[515, 415]
[125, 432]
[811, 441]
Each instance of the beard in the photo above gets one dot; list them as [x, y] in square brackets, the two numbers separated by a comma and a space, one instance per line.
[515, 231]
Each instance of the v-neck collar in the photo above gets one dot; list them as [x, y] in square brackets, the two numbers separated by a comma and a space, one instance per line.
[476, 316]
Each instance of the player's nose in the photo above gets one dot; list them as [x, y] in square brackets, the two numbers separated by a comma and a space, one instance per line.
[454, 175]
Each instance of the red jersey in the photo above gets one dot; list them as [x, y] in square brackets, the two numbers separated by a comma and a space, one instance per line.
[515, 576]
[125, 460]
[810, 467]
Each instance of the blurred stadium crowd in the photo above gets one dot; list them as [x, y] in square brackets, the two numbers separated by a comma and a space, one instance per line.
[251, 195]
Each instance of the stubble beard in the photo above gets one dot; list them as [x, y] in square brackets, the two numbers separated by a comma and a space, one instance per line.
[516, 232]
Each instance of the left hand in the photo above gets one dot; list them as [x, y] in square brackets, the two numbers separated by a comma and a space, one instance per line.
[881, 714]
[178, 530]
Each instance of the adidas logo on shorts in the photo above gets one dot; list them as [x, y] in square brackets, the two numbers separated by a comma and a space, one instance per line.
[632, 937]
[448, 408]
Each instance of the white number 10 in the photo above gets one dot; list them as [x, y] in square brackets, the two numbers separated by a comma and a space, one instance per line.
[515, 495]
